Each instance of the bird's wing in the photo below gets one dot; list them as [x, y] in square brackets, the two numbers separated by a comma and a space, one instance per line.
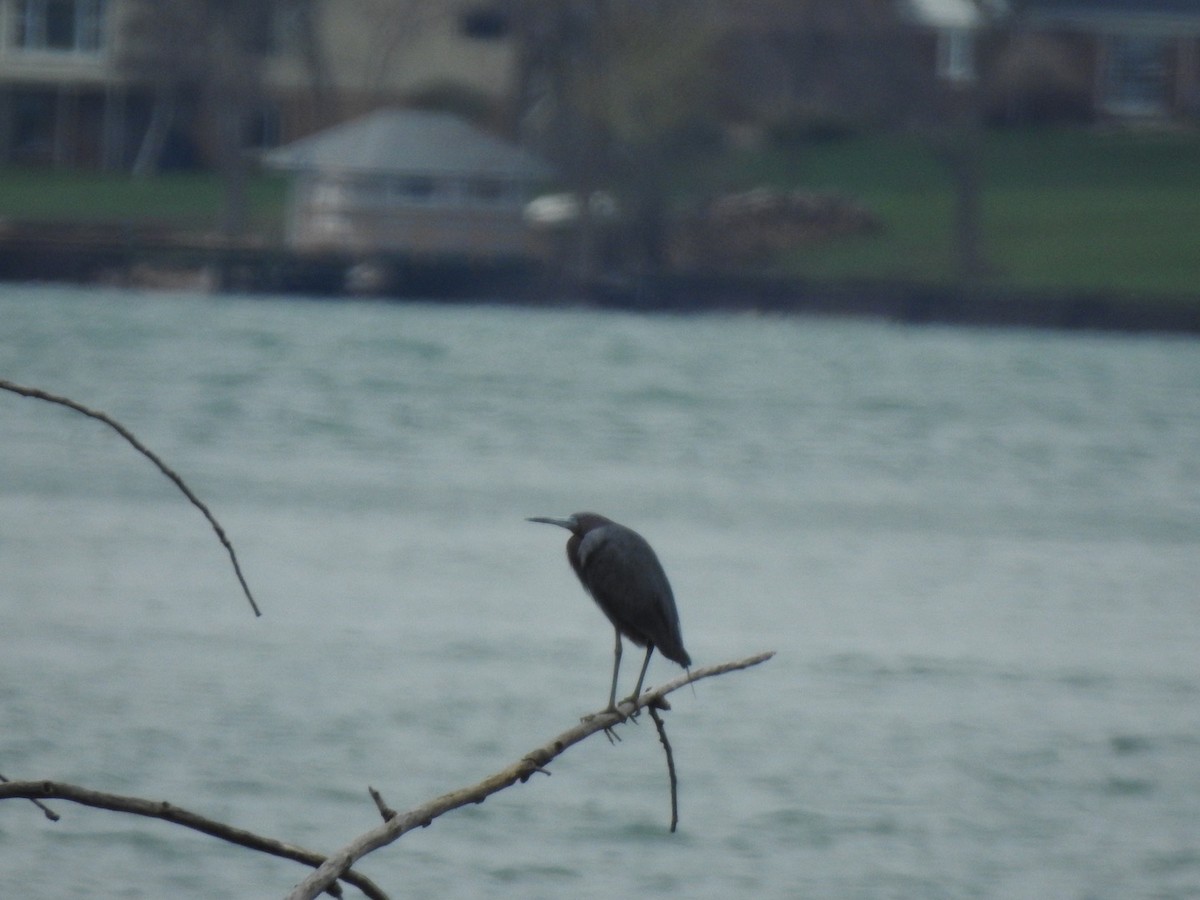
[624, 576]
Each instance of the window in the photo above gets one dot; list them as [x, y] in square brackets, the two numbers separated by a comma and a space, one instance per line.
[262, 127]
[69, 26]
[484, 23]
[33, 125]
[1135, 75]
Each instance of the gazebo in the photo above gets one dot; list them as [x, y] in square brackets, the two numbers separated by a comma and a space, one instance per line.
[411, 183]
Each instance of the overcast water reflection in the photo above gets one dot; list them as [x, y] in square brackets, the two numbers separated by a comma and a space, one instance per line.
[976, 553]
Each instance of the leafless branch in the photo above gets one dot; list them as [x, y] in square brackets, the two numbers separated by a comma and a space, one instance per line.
[47, 811]
[662, 737]
[533, 762]
[330, 869]
[124, 432]
[380, 804]
[57, 790]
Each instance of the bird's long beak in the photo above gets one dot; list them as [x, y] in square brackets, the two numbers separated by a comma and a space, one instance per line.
[568, 524]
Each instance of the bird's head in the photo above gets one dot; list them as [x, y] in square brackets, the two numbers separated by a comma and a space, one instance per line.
[576, 523]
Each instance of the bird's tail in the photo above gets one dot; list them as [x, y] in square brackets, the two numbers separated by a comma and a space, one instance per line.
[676, 654]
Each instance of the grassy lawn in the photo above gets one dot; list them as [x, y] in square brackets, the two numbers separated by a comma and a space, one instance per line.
[1062, 210]
[185, 200]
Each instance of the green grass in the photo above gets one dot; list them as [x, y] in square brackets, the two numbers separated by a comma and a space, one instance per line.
[184, 200]
[1063, 210]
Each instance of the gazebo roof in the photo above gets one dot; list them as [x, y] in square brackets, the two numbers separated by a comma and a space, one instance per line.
[409, 142]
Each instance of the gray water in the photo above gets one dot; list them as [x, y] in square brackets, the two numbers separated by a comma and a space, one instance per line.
[976, 553]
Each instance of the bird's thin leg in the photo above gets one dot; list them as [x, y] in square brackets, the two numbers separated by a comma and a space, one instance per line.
[637, 691]
[612, 694]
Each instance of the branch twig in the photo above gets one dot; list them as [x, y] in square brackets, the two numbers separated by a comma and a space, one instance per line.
[47, 811]
[531, 763]
[330, 869]
[662, 737]
[380, 804]
[57, 790]
[38, 394]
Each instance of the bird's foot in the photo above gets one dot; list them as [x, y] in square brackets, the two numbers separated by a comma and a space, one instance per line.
[611, 711]
[657, 703]
[636, 711]
[609, 733]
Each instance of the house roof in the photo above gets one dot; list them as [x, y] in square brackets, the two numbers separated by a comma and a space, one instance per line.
[409, 142]
[1149, 7]
[1110, 14]
[956, 13]
[1118, 15]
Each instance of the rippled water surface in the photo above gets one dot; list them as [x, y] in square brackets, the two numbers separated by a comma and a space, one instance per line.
[976, 552]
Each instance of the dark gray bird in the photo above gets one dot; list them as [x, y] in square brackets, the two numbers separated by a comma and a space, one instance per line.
[618, 568]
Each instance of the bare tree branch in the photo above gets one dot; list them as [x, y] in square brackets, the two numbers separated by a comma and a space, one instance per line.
[47, 811]
[57, 790]
[384, 810]
[124, 432]
[330, 869]
[662, 737]
[531, 763]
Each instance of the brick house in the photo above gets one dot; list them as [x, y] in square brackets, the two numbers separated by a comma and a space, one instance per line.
[1140, 58]
[69, 97]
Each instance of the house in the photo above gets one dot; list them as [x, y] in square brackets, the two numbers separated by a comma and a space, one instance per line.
[1080, 59]
[410, 182]
[1141, 58]
[58, 86]
[79, 79]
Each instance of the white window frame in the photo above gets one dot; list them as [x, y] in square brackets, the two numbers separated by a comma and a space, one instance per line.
[1135, 76]
[87, 26]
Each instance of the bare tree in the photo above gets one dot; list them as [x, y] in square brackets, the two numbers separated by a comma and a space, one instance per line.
[811, 67]
[558, 56]
[606, 88]
[204, 63]
[164, 47]
[801, 63]
[393, 26]
[208, 55]
[958, 139]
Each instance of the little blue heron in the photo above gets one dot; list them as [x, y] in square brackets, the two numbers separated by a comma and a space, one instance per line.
[618, 568]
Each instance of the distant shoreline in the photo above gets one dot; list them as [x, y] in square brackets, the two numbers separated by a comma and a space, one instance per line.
[912, 303]
[209, 265]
